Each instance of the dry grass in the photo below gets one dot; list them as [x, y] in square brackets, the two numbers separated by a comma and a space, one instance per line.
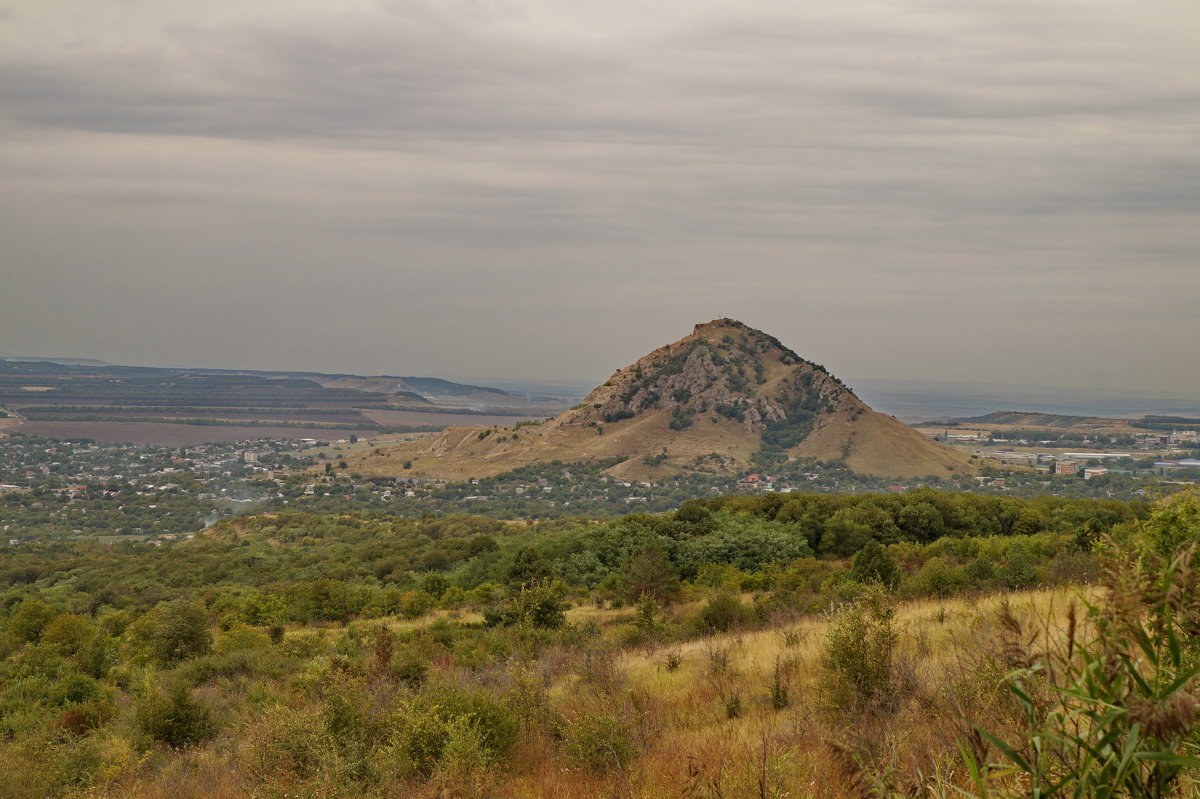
[803, 750]
[686, 743]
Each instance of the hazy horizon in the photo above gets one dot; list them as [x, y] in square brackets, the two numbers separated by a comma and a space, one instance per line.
[909, 399]
[927, 190]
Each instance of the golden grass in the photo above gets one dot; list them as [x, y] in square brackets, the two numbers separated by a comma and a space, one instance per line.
[687, 744]
[696, 750]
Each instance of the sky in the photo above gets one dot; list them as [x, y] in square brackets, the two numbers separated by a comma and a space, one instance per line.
[994, 190]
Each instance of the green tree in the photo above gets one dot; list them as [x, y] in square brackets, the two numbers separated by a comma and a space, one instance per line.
[528, 569]
[874, 564]
[29, 619]
[170, 633]
[1173, 525]
[650, 574]
[68, 634]
[921, 522]
[843, 536]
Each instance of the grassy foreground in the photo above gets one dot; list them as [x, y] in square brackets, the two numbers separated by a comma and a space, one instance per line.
[758, 713]
[1085, 689]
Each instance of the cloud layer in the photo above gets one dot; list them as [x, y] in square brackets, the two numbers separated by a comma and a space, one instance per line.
[916, 188]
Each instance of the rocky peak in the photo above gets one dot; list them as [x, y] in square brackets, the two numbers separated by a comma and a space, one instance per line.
[724, 371]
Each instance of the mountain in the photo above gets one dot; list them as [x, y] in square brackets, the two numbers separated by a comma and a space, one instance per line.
[724, 398]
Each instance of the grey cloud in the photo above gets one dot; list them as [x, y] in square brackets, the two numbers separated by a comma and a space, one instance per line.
[685, 160]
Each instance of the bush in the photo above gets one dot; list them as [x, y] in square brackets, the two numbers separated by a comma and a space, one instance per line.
[938, 577]
[174, 717]
[408, 667]
[859, 654]
[722, 612]
[1172, 526]
[426, 726]
[30, 618]
[1018, 569]
[874, 564]
[599, 742]
[539, 606]
[304, 645]
[170, 633]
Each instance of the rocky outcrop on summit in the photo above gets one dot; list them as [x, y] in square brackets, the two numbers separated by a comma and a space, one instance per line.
[720, 398]
[724, 372]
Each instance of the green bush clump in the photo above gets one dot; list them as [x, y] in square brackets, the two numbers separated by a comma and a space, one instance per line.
[873, 564]
[540, 607]
[174, 717]
[722, 612]
[858, 659]
[599, 742]
[448, 717]
[170, 633]
[409, 668]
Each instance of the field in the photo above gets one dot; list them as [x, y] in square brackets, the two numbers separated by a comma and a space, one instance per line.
[174, 407]
[422, 418]
[174, 435]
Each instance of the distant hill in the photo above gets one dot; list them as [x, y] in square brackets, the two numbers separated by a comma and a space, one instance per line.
[1057, 421]
[1028, 419]
[724, 398]
[59, 361]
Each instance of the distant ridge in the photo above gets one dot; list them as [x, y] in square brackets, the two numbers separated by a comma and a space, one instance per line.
[60, 361]
[723, 398]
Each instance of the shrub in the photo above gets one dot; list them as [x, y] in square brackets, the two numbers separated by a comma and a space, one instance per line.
[1172, 526]
[408, 667]
[75, 689]
[722, 612]
[599, 742]
[284, 743]
[414, 604]
[171, 632]
[30, 618]
[938, 577]
[241, 638]
[1018, 570]
[303, 645]
[174, 717]
[425, 727]
[539, 606]
[68, 634]
[858, 656]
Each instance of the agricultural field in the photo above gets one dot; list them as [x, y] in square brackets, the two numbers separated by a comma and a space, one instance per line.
[180, 407]
[176, 435]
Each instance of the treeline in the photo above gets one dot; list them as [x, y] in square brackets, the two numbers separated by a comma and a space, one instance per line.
[372, 561]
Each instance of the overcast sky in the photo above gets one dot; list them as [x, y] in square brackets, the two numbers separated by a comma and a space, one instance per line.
[989, 190]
